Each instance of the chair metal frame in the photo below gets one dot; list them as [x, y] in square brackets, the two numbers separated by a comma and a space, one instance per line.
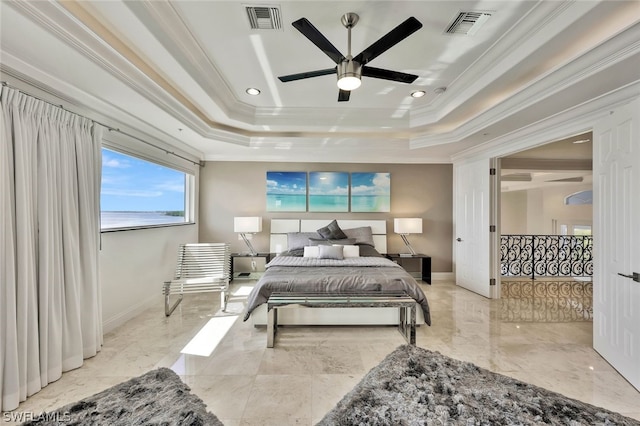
[201, 268]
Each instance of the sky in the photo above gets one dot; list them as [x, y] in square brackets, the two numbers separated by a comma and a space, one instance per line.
[328, 183]
[284, 183]
[131, 184]
[370, 183]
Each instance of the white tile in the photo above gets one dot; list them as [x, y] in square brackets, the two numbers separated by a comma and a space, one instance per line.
[311, 368]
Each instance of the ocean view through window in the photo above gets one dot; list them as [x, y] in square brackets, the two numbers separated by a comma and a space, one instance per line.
[140, 193]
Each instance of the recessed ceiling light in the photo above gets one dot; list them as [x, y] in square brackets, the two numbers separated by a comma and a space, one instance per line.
[582, 141]
[253, 91]
[418, 93]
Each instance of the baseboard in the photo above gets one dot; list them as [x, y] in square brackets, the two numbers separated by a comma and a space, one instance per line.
[116, 321]
[442, 276]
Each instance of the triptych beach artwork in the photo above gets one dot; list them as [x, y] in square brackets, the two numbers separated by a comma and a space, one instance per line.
[328, 192]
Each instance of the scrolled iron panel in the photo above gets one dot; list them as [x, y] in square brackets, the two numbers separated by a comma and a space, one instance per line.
[546, 255]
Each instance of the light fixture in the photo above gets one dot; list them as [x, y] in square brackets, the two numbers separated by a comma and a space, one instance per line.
[349, 74]
[247, 225]
[418, 93]
[582, 141]
[405, 226]
[253, 91]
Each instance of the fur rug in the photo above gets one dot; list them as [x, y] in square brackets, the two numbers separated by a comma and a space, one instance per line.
[158, 397]
[414, 386]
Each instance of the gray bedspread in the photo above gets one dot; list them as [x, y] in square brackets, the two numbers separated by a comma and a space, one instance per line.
[358, 274]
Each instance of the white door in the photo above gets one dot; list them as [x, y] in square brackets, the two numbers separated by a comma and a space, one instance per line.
[616, 241]
[472, 246]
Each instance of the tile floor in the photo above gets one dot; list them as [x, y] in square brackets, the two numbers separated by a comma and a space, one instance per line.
[311, 368]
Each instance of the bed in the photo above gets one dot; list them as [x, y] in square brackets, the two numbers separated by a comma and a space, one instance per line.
[311, 261]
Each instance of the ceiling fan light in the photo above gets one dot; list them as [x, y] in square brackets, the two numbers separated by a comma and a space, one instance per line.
[349, 72]
[349, 82]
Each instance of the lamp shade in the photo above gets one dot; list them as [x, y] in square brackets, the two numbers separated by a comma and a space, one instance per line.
[247, 224]
[407, 225]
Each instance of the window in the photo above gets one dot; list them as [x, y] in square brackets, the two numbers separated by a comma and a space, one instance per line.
[579, 198]
[139, 193]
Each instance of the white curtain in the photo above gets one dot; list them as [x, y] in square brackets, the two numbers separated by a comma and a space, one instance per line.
[50, 304]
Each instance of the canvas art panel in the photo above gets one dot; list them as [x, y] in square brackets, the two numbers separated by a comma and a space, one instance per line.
[286, 191]
[328, 192]
[370, 192]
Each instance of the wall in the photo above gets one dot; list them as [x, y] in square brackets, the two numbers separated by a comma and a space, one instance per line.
[133, 266]
[513, 212]
[533, 211]
[229, 189]
[554, 208]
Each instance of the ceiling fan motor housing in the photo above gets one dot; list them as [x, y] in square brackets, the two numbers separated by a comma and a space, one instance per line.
[350, 68]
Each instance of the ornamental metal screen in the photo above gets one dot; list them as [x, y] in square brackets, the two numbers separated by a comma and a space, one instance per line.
[546, 255]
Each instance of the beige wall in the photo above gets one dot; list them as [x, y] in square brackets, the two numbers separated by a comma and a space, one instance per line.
[229, 189]
[513, 213]
[533, 211]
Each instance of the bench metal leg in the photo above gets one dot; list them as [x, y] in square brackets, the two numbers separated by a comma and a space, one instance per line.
[272, 326]
[407, 324]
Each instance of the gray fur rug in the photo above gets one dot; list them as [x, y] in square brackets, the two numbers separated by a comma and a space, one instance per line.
[158, 397]
[414, 386]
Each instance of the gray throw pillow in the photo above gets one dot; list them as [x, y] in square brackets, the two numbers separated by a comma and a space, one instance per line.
[332, 231]
[331, 252]
[297, 240]
[329, 242]
[362, 235]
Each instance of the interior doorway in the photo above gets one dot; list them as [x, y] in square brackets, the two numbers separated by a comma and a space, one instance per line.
[546, 217]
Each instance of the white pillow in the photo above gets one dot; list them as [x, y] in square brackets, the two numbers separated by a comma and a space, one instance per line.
[311, 251]
[331, 252]
[350, 251]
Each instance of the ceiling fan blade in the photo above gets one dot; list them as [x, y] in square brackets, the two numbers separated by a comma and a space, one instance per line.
[308, 74]
[343, 95]
[393, 37]
[309, 31]
[388, 75]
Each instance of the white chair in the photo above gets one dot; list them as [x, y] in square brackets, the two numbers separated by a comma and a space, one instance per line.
[201, 268]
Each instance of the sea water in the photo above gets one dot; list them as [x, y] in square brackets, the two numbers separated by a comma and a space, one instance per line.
[128, 219]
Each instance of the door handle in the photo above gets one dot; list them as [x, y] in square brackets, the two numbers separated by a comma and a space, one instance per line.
[634, 276]
[458, 239]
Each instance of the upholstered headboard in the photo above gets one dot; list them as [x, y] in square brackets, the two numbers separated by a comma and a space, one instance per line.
[280, 228]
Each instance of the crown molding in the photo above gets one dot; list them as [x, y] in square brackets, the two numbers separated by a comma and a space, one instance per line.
[167, 25]
[576, 120]
[531, 32]
[598, 60]
[36, 83]
[76, 34]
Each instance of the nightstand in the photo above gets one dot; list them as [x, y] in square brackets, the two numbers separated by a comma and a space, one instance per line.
[405, 260]
[267, 258]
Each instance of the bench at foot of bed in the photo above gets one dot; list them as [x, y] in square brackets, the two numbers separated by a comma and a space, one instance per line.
[400, 300]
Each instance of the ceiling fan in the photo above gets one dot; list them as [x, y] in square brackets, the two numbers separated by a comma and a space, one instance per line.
[350, 69]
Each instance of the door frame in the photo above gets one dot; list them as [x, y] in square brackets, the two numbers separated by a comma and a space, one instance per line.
[574, 121]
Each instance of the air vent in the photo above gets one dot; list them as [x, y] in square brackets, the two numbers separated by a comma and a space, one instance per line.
[264, 17]
[468, 23]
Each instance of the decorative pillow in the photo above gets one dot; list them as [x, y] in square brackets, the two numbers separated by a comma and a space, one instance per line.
[362, 235]
[330, 242]
[331, 252]
[332, 231]
[297, 240]
[350, 251]
[311, 251]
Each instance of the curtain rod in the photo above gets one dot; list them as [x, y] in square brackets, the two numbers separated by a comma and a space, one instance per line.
[110, 128]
